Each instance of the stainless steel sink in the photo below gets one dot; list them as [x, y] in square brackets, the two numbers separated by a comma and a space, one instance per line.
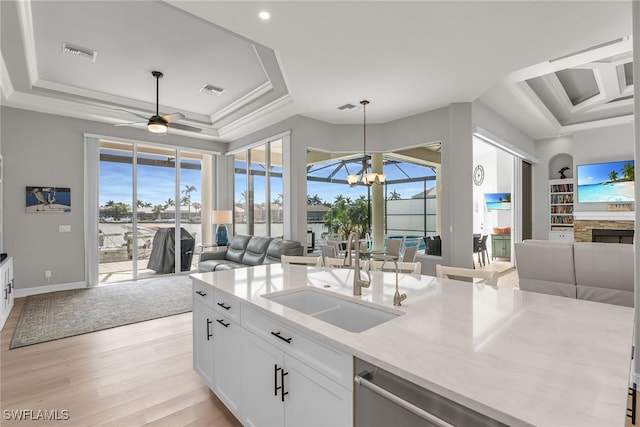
[335, 309]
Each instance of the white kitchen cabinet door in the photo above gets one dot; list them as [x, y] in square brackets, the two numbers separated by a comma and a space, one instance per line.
[6, 279]
[203, 349]
[262, 376]
[314, 400]
[228, 367]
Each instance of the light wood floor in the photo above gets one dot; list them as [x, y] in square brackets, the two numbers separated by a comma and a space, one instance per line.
[133, 375]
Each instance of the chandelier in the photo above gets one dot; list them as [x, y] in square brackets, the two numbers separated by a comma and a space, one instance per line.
[366, 176]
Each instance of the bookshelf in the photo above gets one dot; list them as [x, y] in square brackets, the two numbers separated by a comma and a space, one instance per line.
[561, 209]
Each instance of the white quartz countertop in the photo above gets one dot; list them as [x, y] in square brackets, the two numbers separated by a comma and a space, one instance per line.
[522, 358]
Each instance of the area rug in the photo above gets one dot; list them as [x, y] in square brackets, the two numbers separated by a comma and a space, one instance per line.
[56, 315]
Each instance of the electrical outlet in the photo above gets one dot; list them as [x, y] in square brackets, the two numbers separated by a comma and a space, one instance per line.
[47, 274]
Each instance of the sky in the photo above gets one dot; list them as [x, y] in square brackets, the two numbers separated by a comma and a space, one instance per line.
[156, 184]
[599, 172]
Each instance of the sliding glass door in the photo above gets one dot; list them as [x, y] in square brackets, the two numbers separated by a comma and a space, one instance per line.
[151, 203]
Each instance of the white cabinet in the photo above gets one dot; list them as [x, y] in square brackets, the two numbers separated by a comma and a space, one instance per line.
[314, 400]
[203, 343]
[563, 236]
[263, 375]
[266, 373]
[227, 349]
[279, 389]
[8, 287]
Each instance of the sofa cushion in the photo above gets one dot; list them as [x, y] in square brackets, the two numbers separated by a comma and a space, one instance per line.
[256, 250]
[229, 265]
[546, 267]
[279, 247]
[604, 272]
[236, 249]
[209, 265]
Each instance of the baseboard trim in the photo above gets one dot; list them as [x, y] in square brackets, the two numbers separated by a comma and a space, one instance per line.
[49, 288]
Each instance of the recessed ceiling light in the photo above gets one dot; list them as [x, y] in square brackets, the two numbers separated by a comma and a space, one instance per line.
[264, 15]
[347, 107]
[211, 89]
[82, 52]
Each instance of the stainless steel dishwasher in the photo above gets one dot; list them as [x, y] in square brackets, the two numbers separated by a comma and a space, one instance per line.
[383, 399]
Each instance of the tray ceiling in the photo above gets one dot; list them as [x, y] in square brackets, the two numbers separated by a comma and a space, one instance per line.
[314, 56]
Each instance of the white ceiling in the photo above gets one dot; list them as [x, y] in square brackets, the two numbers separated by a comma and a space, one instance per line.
[314, 56]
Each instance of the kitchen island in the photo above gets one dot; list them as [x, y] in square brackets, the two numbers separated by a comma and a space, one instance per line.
[517, 357]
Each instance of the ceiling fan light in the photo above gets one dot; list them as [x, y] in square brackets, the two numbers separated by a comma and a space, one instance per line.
[157, 127]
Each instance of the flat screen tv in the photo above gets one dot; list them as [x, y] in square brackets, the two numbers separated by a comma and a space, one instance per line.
[609, 182]
[497, 201]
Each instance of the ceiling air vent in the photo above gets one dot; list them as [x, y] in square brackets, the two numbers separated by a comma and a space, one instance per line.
[211, 90]
[82, 52]
[346, 107]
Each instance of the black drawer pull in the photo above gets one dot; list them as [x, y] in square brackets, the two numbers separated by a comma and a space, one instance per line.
[209, 334]
[277, 334]
[226, 325]
[226, 307]
[202, 294]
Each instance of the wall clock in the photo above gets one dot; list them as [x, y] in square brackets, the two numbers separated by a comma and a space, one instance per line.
[478, 175]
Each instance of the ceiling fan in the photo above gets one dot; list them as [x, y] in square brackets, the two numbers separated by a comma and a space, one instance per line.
[157, 123]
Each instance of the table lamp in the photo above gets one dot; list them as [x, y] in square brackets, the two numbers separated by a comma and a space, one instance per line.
[222, 218]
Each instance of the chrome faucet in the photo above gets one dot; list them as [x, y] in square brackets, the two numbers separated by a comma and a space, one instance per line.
[397, 298]
[358, 282]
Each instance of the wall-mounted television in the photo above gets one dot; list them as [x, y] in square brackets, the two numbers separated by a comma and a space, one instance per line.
[497, 201]
[609, 182]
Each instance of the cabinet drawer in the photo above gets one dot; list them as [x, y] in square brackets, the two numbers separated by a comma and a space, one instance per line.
[332, 363]
[227, 306]
[203, 293]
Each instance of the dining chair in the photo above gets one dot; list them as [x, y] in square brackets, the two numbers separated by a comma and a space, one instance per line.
[476, 248]
[483, 250]
[301, 260]
[393, 247]
[333, 262]
[403, 267]
[488, 277]
[328, 251]
[409, 253]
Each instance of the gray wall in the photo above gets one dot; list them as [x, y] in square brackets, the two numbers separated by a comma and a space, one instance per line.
[44, 149]
[589, 146]
[452, 125]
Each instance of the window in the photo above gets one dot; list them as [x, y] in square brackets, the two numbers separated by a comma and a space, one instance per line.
[258, 190]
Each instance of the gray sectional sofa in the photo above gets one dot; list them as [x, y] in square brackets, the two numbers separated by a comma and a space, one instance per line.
[600, 272]
[246, 251]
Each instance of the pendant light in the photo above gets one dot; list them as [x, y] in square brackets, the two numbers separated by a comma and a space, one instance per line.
[366, 176]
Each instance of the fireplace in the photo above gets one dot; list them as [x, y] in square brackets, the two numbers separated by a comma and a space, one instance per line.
[611, 236]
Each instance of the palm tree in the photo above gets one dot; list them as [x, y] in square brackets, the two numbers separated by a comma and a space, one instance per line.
[117, 209]
[186, 200]
[394, 195]
[314, 200]
[628, 171]
[613, 176]
[157, 211]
